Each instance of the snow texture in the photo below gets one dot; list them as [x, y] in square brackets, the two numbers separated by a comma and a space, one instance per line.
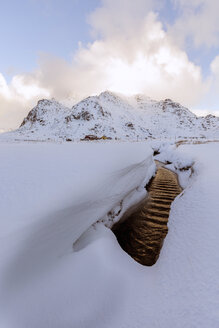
[60, 264]
[50, 195]
[114, 116]
[44, 284]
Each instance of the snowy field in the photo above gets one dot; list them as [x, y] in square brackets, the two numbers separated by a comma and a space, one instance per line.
[50, 194]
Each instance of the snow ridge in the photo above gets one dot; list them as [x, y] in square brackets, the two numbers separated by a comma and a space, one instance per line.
[115, 117]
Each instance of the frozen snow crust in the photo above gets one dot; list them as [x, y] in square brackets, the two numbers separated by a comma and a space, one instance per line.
[114, 116]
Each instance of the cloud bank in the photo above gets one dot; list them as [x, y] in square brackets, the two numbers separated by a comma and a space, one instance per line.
[198, 22]
[131, 53]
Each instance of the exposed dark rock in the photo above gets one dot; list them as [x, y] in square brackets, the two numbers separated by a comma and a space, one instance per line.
[130, 125]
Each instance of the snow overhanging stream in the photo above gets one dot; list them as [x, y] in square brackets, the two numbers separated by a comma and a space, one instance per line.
[142, 233]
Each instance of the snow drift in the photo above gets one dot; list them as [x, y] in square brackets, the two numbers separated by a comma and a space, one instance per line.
[101, 286]
[50, 195]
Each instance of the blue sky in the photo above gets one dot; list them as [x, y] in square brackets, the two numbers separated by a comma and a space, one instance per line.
[29, 27]
[201, 55]
[76, 48]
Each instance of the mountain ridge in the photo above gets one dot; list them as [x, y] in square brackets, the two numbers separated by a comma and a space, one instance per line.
[114, 116]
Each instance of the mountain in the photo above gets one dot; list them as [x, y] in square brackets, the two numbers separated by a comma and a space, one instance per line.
[113, 116]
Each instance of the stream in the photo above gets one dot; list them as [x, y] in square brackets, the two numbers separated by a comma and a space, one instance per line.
[142, 233]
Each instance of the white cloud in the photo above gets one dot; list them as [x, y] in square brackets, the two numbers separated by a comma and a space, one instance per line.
[16, 99]
[132, 54]
[213, 94]
[145, 61]
[4, 89]
[120, 17]
[198, 20]
[215, 66]
[210, 101]
[25, 89]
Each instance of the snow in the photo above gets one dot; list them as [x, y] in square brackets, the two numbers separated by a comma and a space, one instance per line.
[60, 264]
[114, 116]
[181, 164]
[50, 195]
[190, 254]
[99, 285]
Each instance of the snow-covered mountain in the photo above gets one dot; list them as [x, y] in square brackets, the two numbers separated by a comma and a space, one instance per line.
[114, 116]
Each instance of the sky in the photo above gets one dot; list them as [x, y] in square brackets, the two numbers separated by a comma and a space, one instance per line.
[75, 48]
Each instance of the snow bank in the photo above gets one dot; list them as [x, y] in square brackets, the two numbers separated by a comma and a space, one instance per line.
[189, 265]
[50, 194]
[181, 164]
[101, 286]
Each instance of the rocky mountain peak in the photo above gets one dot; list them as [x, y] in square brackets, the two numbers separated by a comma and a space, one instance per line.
[115, 116]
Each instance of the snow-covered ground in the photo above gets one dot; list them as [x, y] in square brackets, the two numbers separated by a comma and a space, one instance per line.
[43, 283]
[50, 194]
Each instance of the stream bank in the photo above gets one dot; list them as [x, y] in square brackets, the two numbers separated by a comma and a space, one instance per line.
[141, 234]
